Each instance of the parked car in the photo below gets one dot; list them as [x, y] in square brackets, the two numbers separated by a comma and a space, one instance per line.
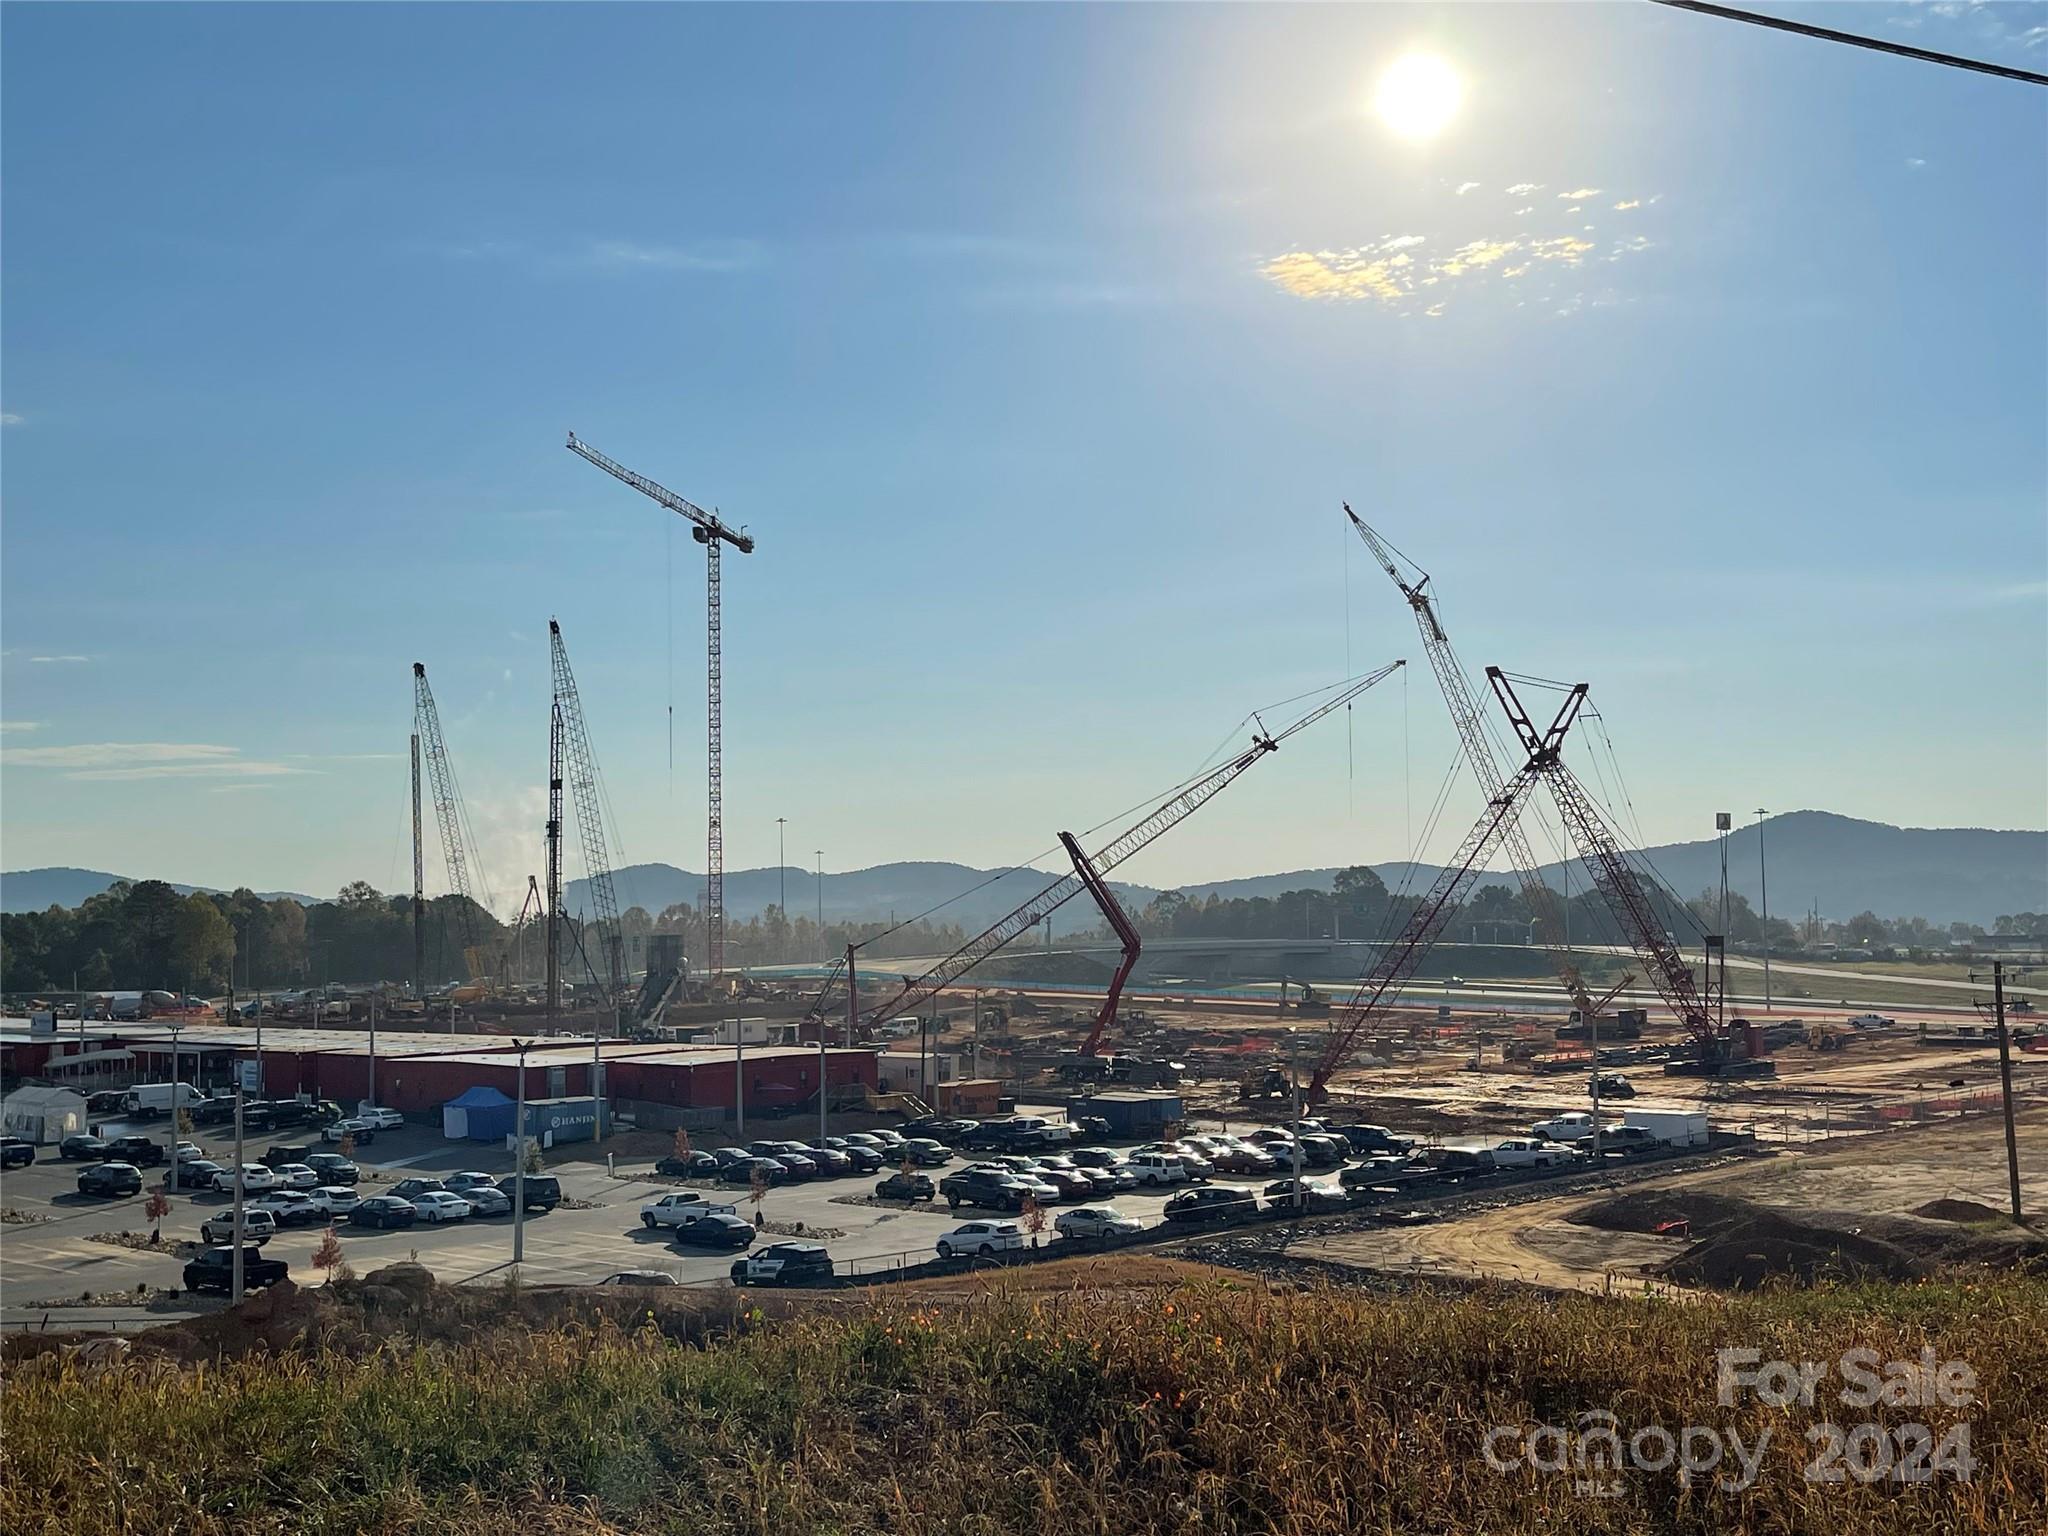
[1095, 1157]
[1323, 1151]
[784, 1264]
[255, 1180]
[1215, 1203]
[724, 1228]
[111, 1179]
[543, 1191]
[107, 1101]
[1576, 1126]
[333, 1168]
[380, 1119]
[1630, 1141]
[1316, 1199]
[1461, 1162]
[983, 1239]
[1026, 1171]
[335, 1200]
[1158, 1169]
[83, 1147]
[196, 1175]
[640, 1277]
[691, 1165]
[673, 1208]
[864, 1139]
[725, 1157]
[15, 1152]
[214, 1270]
[1612, 1085]
[741, 1170]
[1372, 1170]
[886, 1137]
[1072, 1183]
[439, 1205]
[258, 1227]
[278, 1156]
[796, 1165]
[218, 1110]
[383, 1211]
[864, 1159]
[1240, 1157]
[188, 1151]
[1095, 1222]
[291, 1207]
[487, 1200]
[1528, 1152]
[139, 1150]
[413, 1188]
[994, 1188]
[905, 1186]
[297, 1175]
[361, 1131]
[462, 1183]
[925, 1152]
[832, 1163]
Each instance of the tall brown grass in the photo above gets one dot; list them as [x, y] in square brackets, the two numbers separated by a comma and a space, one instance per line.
[1213, 1408]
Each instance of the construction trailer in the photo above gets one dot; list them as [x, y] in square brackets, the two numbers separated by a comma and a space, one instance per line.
[1132, 1115]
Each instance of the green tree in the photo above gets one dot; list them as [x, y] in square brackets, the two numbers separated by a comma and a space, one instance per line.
[202, 945]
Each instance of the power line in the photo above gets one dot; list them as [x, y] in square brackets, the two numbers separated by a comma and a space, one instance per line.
[1857, 40]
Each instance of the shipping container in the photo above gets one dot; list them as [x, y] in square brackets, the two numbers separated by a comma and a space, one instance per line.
[1133, 1114]
[1676, 1127]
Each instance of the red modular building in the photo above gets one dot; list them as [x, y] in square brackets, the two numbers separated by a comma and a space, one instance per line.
[707, 1077]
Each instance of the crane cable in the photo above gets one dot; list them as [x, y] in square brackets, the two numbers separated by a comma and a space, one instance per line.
[1856, 40]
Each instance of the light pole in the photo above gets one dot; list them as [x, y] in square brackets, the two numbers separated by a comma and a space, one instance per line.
[237, 1288]
[821, 905]
[2012, 1146]
[176, 1026]
[781, 873]
[1294, 1084]
[1763, 876]
[519, 1159]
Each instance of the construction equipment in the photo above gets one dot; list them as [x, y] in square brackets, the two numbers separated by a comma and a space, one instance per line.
[457, 841]
[1466, 718]
[1828, 1037]
[1311, 1001]
[1120, 925]
[1177, 806]
[1265, 1083]
[1399, 961]
[580, 764]
[713, 534]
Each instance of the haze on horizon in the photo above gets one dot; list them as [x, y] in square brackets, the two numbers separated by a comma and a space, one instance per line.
[1697, 362]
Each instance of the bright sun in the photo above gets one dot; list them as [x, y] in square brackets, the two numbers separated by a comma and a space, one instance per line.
[1418, 95]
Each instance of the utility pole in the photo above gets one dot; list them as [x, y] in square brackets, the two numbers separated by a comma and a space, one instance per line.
[2012, 1145]
[713, 534]
[821, 909]
[1294, 1084]
[1722, 823]
[236, 1290]
[176, 1096]
[1763, 876]
[782, 877]
[821, 1081]
[519, 1159]
[419, 888]
[739, 1075]
[373, 1047]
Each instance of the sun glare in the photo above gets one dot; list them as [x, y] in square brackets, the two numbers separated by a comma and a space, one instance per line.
[1418, 96]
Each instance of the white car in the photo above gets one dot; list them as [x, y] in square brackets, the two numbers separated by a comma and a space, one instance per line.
[1576, 1126]
[190, 1152]
[258, 1227]
[441, 1205]
[287, 1205]
[674, 1208]
[1095, 1221]
[297, 1176]
[255, 1179]
[342, 1130]
[462, 1183]
[1528, 1152]
[335, 1199]
[985, 1239]
[1155, 1170]
[380, 1119]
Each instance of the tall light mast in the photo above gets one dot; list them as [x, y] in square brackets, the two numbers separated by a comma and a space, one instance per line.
[709, 531]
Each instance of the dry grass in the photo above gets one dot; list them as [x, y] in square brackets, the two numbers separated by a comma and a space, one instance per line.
[1211, 1407]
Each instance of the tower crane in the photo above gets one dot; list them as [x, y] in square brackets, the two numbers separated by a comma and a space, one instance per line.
[1465, 717]
[579, 764]
[708, 530]
[457, 843]
[1400, 960]
[1121, 926]
[1181, 803]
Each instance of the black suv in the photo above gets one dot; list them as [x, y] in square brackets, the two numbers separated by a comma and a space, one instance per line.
[84, 1147]
[214, 1270]
[333, 1168]
[16, 1153]
[783, 1264]
[543, 1191]
[139, 1150]
[983, 1187]
[111, 1179]
[1216, 1203]
[277, 1157]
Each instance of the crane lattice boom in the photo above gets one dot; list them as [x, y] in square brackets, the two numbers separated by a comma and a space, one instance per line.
[1457, 692]
[580, 769]
[448, 814]
[1169, 813]
[713, 535]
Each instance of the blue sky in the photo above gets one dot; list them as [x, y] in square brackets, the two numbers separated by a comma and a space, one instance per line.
[1037, 346]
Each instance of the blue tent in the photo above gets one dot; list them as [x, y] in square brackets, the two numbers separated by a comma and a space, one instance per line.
[481, 1114]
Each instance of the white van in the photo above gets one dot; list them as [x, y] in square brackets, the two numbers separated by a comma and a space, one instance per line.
[1157, 1169]
[148, 1099]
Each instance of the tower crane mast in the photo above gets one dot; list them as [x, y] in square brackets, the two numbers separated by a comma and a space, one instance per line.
[578, 765]
[448, 814]
[1169, 813]
[707, 529]
[1465, 717]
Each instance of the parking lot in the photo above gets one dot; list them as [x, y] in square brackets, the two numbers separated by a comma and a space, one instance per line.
[48, 1251]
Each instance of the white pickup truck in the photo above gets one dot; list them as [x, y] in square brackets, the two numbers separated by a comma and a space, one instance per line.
[679, 1208]
[1528, 1152]
[1575, 1126]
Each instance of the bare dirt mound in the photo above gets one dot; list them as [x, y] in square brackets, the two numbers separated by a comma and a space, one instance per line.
[270, 1321]
[1968, 1212]
[1769, 1247]
[1699, 1213]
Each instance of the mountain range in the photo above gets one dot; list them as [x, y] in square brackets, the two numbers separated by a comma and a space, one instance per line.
[1835, 864]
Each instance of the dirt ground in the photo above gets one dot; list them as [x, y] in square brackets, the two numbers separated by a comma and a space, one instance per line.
[1892, 1174]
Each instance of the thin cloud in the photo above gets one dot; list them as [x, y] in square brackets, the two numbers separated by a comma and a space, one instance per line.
[1524, 188]
[121, 761]
[1394, 280]
[1627, 203]
[24, 726]
[710, 256]
[9, 419]
[1467, 186]
[237, 789]
[1914, 162]
[1580, 195]
[60, 658]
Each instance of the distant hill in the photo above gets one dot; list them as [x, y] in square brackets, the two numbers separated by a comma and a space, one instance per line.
[1839, 864]
[32, 890]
